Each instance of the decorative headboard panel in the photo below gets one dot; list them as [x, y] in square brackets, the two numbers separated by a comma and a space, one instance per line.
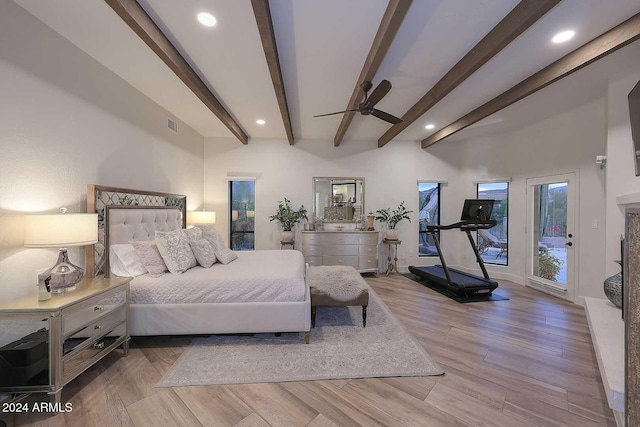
[100, 197]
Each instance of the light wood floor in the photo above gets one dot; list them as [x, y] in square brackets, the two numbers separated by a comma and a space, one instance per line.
[524, 362]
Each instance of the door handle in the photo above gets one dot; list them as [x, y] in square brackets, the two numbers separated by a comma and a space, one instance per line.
[569, 244]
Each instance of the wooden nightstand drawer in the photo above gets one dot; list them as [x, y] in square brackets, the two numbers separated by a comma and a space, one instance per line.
[368, 250]
[311, 239]
[342, 238]
[340, 250]
[369, 239]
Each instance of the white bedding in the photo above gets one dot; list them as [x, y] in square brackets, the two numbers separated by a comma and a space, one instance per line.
[256, 276]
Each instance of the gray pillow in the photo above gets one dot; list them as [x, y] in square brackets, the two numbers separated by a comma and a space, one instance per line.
[149, 256]
[212, 236]
[193, 234]
[204, 252]
[226, 255]
[175, 250]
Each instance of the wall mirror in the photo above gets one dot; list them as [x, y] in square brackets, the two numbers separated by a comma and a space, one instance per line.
[338, 199]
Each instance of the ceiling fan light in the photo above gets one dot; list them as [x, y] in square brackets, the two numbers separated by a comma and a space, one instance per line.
[563, 36]
[207, 19]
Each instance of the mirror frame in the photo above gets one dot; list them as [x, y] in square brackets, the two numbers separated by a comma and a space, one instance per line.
[359, 197]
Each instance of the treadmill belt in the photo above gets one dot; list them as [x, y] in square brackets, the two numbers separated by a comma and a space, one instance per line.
[461, 281]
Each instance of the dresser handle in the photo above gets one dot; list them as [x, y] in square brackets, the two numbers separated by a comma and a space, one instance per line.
[99, 345]
[98, 327]
[98, 308]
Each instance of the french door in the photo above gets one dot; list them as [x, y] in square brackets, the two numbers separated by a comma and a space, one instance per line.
[551, 234]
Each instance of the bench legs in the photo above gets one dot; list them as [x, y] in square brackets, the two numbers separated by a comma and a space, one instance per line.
[364, 316]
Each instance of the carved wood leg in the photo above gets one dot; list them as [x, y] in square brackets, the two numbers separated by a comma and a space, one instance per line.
[307, 335]
[313, 317]
[364, 316]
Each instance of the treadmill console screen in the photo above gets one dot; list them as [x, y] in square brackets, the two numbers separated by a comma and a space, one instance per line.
[477, 210]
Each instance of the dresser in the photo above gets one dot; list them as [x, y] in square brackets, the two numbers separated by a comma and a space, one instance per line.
[46, 344]
[358, 249]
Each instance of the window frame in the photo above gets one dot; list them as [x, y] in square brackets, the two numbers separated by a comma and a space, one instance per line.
[231, 231]
[439, 210]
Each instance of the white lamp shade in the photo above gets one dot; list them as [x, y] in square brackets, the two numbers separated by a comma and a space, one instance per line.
[60, 230]
[201, 217]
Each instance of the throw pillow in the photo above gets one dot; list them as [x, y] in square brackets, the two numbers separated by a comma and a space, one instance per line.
[125, 262]
[204, 252]
[175, 250]
[212, 236]
[193, 234]
[150, 257]
[226, 255]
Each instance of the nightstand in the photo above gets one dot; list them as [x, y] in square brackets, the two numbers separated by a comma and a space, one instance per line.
[46, 344]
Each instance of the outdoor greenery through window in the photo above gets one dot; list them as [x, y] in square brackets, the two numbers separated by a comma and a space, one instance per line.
[429, 214]
[242, 196]
[493, 243]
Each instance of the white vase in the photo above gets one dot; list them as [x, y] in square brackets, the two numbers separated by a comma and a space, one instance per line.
[287, 236]
[390, 234]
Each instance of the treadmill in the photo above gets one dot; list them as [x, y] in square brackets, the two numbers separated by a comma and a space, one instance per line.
[475, 216]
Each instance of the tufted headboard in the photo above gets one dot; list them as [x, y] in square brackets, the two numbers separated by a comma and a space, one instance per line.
[100, 199]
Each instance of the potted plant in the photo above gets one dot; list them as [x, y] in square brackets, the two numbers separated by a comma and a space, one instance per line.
[287, 217]
[392, 218]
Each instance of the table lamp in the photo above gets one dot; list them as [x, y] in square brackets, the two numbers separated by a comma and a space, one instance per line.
[60, 231]
[201, 217]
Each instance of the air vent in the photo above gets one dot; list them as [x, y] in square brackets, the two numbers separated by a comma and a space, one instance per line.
[172, 125]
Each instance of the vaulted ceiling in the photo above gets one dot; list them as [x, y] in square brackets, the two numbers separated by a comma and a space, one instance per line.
[452, 63]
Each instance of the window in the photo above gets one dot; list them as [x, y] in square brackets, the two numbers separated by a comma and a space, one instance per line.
[429, 214]
[493, 243]
[242, 196]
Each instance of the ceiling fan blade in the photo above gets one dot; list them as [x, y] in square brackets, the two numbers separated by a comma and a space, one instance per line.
[379, 92]
[337, 112]
[385, 116]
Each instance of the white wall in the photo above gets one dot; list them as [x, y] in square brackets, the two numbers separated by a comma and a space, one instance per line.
[390, 173]
[565, 143]
[67, 121]
[620, 168]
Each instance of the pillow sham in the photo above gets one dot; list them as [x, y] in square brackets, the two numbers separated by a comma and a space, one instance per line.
[124, 261]
[193, 234]
[204, 252]
[150, 256]
[175, 250]
[226, 255]
[213, 236]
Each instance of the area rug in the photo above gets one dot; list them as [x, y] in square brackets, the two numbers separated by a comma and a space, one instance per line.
[462, 300]
[339, 348]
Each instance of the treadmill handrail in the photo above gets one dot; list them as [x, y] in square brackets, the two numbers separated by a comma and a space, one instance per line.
[465, 225]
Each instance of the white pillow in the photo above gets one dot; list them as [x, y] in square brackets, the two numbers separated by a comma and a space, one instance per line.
[125, 262]
[150, 257]
[213, 236]
[175, 250]
[226, 255]
[204, 252]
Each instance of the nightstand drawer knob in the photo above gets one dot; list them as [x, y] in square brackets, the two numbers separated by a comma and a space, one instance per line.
[98, 308]
[99, 345]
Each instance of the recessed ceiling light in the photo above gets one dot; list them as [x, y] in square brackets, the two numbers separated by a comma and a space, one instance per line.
[207, 19]
[563, 36]
[260, 122]
[430, 126]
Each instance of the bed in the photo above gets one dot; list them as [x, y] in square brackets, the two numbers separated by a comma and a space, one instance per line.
[261, 291]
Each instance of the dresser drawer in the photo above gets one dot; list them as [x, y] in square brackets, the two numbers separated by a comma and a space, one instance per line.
[79, 315]
[311, 238]
[368, 263]
[340, 250]
[369, 239]
[353, 261]
[341, 238]
[310, 250]
[87, 353]
[368, 250]
[96, 328]
[313, 260]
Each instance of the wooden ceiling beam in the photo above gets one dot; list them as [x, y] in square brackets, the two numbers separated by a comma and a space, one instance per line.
[267, 36]
[601, 46]
[389, 26]
[523, 16]
[142, 24]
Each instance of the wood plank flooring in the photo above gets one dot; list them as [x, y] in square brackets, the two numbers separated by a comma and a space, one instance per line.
[528, 361]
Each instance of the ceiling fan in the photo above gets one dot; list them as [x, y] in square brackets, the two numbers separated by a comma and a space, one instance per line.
[366, 106]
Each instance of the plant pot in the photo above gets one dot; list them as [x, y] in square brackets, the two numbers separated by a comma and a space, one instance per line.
[287, 236]
[391, 234]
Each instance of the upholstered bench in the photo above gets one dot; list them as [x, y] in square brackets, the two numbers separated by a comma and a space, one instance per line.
[337, 286]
